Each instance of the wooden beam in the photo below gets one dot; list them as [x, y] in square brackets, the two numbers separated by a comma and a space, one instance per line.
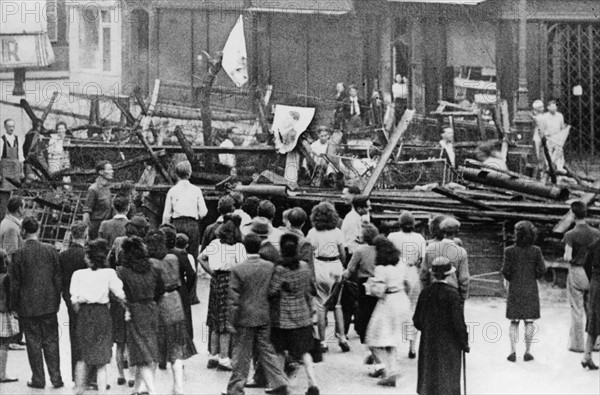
[565, 223]
[468, 201]
[187, 148]
[389, 149]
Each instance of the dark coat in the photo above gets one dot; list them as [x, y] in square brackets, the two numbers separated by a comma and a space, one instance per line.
[440, 318]
[187, 276]
[112, 228]
[248, 300]
[522, 267]
[70, 260]
[35, 279]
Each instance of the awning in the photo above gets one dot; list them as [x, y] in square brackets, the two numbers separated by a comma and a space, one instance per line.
[455, 2]
[325, 7]
[25, 50]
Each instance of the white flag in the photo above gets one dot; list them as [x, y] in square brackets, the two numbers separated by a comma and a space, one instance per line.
[234, 54]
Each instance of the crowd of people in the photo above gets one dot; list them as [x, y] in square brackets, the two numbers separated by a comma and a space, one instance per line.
[272, 290]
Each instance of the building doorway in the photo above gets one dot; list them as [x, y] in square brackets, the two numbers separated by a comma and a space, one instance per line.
[140, 49]
[573, 59]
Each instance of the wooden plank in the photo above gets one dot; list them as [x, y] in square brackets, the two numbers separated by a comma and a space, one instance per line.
[462, 199]
[389, 149]
[565, 223]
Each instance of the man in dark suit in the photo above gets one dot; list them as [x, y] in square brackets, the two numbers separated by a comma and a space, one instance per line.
[112, 228]
[35, 294]
[355, 109]
[248, 318]
[71, 260]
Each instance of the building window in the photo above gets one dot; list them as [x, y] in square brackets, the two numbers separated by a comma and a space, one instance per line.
[95, 39]
[52, 19]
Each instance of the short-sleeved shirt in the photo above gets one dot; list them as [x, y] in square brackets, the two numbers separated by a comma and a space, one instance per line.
[580, 238]
[411, 245]
[326, 242]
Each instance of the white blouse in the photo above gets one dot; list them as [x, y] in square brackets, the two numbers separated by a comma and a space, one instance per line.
[223, 256]
[94, 286]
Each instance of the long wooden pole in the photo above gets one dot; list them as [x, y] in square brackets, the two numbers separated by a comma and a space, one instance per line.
[389, 149]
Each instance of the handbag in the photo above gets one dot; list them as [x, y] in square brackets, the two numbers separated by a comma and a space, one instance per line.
[171, 308]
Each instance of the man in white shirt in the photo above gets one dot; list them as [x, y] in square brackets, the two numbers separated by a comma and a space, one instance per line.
[10, 149]
[319, 147]
[556, 133]
[447, 144]
[352, 223]
[184, 208]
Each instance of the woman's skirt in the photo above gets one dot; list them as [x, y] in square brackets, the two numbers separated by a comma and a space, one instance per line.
[389, 320]
[142, 334]
[326, 273]
[9, 328]
[217, 302]
[94, 334]
[297, 341]
[174, 341]
[412, 277]
[364, 311]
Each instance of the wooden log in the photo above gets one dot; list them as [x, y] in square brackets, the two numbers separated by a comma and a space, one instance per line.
[551, 169]
[565, 222]
[214, 66]
[187, 149]
[125, 111]
[116, 166]
[470, 202]
[501, 180]
[389, 149]
[189, 113]
[137, 92]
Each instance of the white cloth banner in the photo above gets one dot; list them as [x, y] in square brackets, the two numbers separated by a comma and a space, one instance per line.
[234, 54]
[288, 124]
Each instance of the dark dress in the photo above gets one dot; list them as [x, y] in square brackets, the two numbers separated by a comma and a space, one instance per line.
[439, 316]
[187, 277]
[522, 267]
[592, 269]
[173, 339]
[141, 290]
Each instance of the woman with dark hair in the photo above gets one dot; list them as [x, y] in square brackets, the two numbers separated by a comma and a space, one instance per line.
[187, 275]
[90, 289]
[143, 287]
[174, 343]
[9, 324]
[290, 290]
[523, 265]
[412, 248]
[384, 333]
[98, 202]
[217, 259]
[440, 318]
[328, 246]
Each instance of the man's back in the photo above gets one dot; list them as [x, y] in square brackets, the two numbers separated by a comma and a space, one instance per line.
[35, 279]
[458, 258]
[70, 260]
[112, 228]
[580, 238]
[248, 302]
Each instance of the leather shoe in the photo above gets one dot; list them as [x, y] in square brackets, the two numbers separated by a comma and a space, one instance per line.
[412, 355]
[281, 390]
[527, 357]
[512, 357]
[31, 384]
[378, 373]
[589, 364]
[60, 384]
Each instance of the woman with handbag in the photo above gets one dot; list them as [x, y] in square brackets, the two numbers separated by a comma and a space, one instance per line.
[90, 290]
[384, 333]
[174, 343]
[9, 324]
[328, 246]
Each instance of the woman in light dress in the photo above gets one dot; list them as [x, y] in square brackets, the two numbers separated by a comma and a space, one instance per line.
[384, 333]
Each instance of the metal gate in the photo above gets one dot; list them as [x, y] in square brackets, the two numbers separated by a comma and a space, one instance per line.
[573, 58]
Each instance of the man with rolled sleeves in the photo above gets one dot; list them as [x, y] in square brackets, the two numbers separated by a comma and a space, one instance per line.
[577, 243]
[184, 208]
[456, 254]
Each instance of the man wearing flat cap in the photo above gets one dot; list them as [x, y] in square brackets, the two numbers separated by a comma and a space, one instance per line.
[456, 254]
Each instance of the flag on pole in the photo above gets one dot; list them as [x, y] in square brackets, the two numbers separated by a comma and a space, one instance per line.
[234, 54]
